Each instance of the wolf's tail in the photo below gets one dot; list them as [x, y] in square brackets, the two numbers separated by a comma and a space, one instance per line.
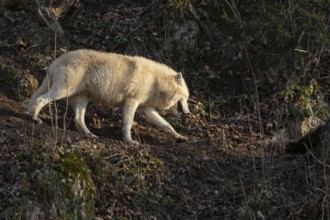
[43, 89]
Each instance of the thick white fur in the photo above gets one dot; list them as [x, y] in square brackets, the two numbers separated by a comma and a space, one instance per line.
[133, 83]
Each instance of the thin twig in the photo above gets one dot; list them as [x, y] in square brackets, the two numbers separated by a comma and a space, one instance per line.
[317, 160]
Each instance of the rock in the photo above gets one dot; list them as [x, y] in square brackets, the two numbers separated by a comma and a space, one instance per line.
[27, 85]
[77, 189]
[186, 34]
[309, 140]
[34, 212]
[310, 124]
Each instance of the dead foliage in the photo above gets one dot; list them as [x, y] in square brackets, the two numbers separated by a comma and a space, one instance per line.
[233, 167]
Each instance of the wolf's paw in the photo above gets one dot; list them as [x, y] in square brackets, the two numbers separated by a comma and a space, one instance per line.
[181, 139]
[37, 119]
[132, 142]
[91, 135]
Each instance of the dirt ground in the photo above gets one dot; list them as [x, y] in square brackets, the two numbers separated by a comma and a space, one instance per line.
[229, 168]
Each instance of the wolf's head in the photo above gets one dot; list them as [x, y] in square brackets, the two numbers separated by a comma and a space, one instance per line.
[181, 96]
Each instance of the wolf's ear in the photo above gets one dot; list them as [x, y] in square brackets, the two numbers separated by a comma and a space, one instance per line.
[179, 78]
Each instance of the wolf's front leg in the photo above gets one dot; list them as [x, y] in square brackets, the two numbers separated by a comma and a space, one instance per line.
[153, 116]
[128, 119]
[79, 105]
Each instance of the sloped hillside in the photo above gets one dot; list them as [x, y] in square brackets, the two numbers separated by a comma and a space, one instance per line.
[245, 158]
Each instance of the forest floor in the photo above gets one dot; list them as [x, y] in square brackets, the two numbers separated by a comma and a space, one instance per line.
[229, 169]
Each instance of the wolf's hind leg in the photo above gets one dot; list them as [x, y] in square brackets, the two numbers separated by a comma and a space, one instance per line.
[153, 116]
[59, 89]
[128, 119]
[79, 105]
[41, 91]
[43, 100]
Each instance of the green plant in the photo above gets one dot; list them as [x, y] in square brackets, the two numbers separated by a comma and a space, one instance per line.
[306, 101]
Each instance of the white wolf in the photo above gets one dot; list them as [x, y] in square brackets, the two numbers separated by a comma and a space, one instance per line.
[131, 82]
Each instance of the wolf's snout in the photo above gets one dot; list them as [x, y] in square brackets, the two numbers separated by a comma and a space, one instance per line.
[183, 108]
[186, 113]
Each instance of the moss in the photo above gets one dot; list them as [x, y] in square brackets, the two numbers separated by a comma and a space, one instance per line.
[77, 189]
